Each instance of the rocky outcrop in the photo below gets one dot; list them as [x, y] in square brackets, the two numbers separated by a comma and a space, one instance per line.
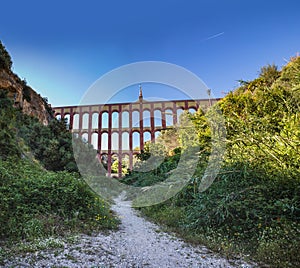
[24, 97]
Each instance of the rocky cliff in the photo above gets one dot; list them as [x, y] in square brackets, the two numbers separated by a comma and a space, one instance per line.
[25, 98]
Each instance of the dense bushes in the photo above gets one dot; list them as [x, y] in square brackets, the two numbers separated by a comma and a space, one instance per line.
[39, 196]
[141, 179]
[253, 206]
[51, 145]
[5, 60]
[243, 211]
[35, 203]
[8, 135]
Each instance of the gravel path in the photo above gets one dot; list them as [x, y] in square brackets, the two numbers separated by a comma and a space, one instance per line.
[138, 243]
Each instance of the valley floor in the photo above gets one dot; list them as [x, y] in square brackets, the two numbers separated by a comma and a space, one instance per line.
[138, 243]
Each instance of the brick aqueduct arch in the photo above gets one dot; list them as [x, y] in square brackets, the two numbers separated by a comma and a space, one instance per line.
[90, 121]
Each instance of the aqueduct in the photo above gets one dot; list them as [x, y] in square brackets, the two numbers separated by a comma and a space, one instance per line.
[120, 130]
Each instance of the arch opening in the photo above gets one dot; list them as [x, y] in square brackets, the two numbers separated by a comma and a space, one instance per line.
[115, 120]
[95, 140]
[135, 119]
[85, 121]
[95, 120]
[169, 117]
[104, 119]
[125, 119]
[157, 118]
[125, 141]
[146, 118]
[76, 121]
[104, 141]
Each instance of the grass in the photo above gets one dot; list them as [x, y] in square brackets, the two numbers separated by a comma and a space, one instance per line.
[243, 214]
[37, 205]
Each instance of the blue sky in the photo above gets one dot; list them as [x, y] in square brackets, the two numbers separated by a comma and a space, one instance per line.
[62, 47]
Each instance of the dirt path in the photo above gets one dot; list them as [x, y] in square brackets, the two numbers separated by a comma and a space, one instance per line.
[138, 243]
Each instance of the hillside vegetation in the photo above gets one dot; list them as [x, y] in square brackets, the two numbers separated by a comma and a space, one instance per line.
[253, 206]
[41, 191]
[24, 97]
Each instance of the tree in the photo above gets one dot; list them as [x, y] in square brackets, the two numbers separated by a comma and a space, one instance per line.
[8, 136]
[5, 59]
[51, 145]
[169, 139]
[269, 73]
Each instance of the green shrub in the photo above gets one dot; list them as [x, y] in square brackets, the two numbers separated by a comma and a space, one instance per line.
[35, 203]
[280, 245]
[51, 144]
[5, 59]
[253, 206]
[8, 133]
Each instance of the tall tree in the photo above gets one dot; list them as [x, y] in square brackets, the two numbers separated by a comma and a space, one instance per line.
[5, 59]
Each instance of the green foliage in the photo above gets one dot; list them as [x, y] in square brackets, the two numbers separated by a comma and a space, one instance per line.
[35, 203]
[262, 125]
[169, 140]
[86, 158]
[145, 153]
[241, 209]
[153, 149]
[44, 143]
[8, 134]
[269, 74]
[187, 131]
[253, 206]
[141, 179]
[115, 167]
[280, 245]
[48, 107]
[51, 145]
[5, 59]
